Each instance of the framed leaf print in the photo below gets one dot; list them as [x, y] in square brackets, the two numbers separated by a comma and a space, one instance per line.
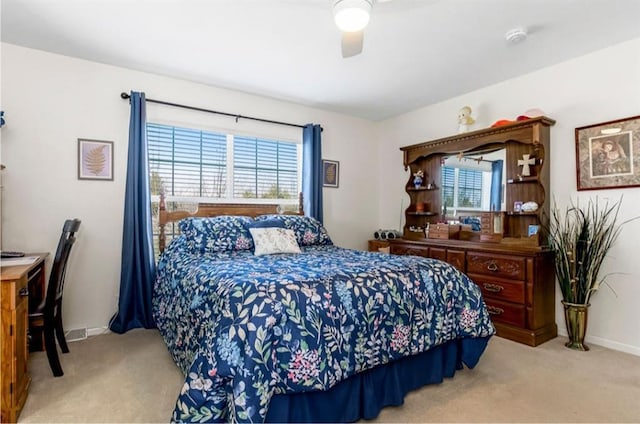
[95, 160]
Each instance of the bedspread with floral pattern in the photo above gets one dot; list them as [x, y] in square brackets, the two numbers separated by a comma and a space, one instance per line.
[244, 327]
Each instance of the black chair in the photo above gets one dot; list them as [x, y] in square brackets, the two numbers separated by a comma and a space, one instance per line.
[48, 315]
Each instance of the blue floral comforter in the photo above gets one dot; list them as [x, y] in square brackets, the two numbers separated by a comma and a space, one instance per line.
[244, 327]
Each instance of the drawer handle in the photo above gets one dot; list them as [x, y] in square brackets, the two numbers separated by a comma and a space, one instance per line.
[493, 288]
[492, 266]
[494, 310]
[24, 291]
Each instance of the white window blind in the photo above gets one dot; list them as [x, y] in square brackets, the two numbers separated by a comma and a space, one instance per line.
[264, 169]
[193, 165]
[187, 162]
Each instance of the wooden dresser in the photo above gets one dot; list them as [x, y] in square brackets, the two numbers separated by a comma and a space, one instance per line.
[518, 285]
[482, 204]
[22, 286]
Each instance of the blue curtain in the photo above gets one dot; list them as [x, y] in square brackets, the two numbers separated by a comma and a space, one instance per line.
[496, 185]
[1, 118]
[312, 170]
[138, 262]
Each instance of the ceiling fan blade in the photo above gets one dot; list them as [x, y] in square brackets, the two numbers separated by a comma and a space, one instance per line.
[352, 43]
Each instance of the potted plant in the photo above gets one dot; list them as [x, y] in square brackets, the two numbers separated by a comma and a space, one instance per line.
[581, 238]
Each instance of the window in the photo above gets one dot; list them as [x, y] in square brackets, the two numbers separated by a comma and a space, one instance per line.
[462, 188]
[186, 162]
[192, 165]
[265, 169]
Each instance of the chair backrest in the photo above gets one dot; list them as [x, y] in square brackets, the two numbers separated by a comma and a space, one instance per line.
[58, 269]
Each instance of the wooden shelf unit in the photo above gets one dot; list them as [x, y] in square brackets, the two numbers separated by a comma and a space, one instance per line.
[531, 137]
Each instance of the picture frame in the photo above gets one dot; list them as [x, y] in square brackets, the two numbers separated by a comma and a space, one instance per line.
[330, 173]
[533, 230]
[517, 206]
[608, 154]
[95, 160]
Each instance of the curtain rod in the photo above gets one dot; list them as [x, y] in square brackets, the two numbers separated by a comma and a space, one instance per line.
[232, 115]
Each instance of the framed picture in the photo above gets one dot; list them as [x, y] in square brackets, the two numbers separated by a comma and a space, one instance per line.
[95, 160]
[533, 230]
[608, 154]
[517, 206]
[330, 173]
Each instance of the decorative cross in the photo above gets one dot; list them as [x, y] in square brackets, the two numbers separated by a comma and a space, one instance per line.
[524, 163]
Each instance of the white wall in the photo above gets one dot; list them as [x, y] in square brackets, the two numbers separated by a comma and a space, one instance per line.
[52, 100]
[598, 87]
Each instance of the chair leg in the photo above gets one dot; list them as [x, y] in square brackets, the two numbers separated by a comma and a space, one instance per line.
[62, 341]
[52, 351]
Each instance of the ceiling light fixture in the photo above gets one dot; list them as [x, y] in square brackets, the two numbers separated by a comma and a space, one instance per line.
[515, 35]
[352, 15]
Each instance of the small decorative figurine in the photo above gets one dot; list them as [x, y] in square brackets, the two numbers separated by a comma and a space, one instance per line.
[417, 178]
[464, 119]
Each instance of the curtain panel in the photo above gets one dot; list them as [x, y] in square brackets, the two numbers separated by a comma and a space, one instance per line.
[138, 263]
[312, 170]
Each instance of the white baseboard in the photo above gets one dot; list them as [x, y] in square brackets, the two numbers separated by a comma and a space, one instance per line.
[634, 350]
[96, 331]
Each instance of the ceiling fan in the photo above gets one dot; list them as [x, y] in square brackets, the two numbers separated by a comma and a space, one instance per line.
[352, 16]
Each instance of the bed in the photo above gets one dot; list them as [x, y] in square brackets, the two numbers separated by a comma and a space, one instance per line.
[325, 334]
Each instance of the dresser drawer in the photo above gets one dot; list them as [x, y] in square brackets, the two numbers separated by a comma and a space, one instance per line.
[507, 313]
[438, 253]
[511, 267]
[511, 291]
[456, 258]
[409, 250]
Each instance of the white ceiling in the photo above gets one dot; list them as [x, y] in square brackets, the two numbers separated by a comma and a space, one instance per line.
[416, 52]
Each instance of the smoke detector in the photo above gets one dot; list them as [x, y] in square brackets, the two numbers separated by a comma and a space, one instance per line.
[515, 35]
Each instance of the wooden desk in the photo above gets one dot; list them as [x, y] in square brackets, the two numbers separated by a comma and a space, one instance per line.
[22, 288]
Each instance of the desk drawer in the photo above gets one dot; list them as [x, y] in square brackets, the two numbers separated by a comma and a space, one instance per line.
[507, 313]
[511, 291]
[504, 266]
[13, 292]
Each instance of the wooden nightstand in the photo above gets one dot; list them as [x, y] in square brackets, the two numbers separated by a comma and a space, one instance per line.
[375, 245]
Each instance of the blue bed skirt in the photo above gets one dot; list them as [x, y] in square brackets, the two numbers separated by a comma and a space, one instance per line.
[364, 395]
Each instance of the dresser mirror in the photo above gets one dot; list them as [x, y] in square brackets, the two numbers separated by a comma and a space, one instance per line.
[473, 182]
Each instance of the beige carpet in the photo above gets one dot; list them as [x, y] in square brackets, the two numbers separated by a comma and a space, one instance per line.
[131, 378]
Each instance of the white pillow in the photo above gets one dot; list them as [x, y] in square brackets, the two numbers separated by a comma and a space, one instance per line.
[274, 240]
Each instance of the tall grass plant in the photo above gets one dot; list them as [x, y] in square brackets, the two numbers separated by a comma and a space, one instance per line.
[581, 238]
